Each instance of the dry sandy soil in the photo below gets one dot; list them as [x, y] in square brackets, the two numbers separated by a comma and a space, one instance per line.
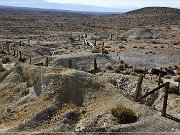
[35, 98]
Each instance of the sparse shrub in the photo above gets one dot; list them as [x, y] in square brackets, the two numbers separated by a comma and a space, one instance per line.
[141, 47]
[5, 60]
[119, 68]
[138, 70]
[135, 46]
[96, 50]
[134, 74]
[173, 90]
[121, 47]
[124, 115]
[162, 46]
[126, 72]
[105, 51]
[23, 59]
[109, 66]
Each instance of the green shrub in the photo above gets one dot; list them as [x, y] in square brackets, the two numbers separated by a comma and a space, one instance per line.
[126, 72]
[173, 90]
[124, 115]
[121, 67]
[138, 70]
[5, 60]
[96, 49]
[134, 74]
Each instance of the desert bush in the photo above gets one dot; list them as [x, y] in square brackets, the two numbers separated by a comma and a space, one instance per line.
[134, 74]
[96, 50]
[173, 90]
[5, 60]
[162, 46]
[138, 70]
[141, 47]
[135, 46]
[126, 72]
[121, 47]
[109, 66]
[124, 115]
[119, 68]
[105, 51]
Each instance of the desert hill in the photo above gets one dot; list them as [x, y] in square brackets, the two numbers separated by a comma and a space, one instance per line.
[30, 23]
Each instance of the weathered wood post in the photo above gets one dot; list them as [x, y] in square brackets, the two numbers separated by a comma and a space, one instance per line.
[70, 63]
[165, 99]
[111, 37]
[0, 62]
[160, 75]
[30, 60]
[7, 46]
[94, 42]
[14, 51]
[46, 62]
[95, 66]
[20, 53]
[179, 88]
[138, 87]
[102, 48]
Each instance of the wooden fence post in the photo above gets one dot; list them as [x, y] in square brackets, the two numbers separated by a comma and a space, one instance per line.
[70, 63]
[138, 88]
[47, 61]
[30, 60]
[95, 66]
[0, 62]
[111, 37]
[178, 88]
[20, 54]
[165, 99]
[160, 75]
[7, 46]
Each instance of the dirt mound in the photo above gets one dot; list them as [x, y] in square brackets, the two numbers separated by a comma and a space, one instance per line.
[138, 33]
[82, 60]
[37, 89]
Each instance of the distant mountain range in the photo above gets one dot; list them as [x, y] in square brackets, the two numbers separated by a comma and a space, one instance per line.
[54, 11]
[42, 4]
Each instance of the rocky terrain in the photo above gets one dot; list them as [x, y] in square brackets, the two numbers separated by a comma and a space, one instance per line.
[66, 72]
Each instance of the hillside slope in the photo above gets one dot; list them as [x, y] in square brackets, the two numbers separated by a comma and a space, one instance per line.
[22, 23]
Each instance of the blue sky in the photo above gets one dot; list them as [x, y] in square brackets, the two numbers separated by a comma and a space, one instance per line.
[115, 3]
[109, 5]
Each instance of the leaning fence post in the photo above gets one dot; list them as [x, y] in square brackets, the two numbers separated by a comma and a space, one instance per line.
[165, 99]
[94, 42]
[30, 60]
[160, 75]
[20, 54]
[47, 61]
[70, 63]
[0, 62]
[178, 87]
[138, 88]
[110, 36]
[95, 66]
